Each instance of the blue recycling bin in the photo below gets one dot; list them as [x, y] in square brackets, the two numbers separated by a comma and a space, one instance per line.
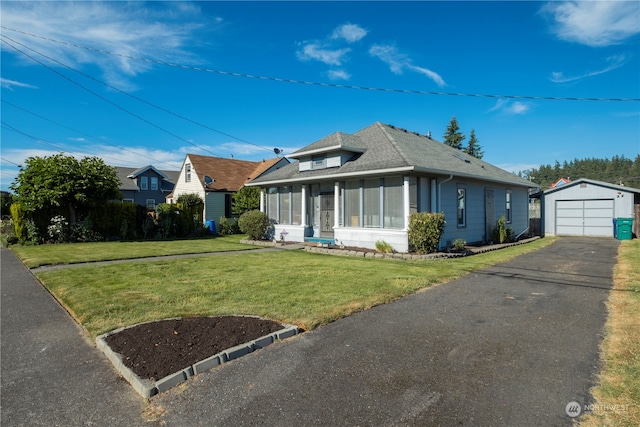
[211, 226]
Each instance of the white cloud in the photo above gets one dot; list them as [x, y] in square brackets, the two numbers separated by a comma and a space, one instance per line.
[616, 61]
[338, 75]
[399, 61]
[349, 32]
[595, 23]
[511, 107]
[314, 51]
[10, 84]
[126, 29]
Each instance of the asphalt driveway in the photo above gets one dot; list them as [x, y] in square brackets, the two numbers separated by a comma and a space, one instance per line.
[510, 345]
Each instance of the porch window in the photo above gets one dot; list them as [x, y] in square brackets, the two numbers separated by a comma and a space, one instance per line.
[508, 206]
[315, 205]
[371, 202]
[154, 183]
[272, 203]
[284, 205]
[144, 184]
[352, 203]
[462, 211]
[296, 204]
[393, 206]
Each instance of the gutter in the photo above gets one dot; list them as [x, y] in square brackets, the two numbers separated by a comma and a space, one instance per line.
[440, 192]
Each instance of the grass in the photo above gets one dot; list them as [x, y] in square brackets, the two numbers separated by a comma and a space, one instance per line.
[617, 393]
[39, 255]
[296, 287]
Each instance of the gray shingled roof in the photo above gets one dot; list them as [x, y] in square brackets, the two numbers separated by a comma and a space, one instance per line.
[129, 184]
[388, 148]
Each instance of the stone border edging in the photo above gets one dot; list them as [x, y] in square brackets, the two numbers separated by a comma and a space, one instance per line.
[147, 388]
[396, 255]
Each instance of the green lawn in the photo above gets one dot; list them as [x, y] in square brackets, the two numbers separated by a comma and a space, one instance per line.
[617, 393]
[296, 287]
[39, 255]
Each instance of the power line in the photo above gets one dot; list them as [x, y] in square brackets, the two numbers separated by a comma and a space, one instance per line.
[9, 161]
[101, 97]
[142, 100]
[323, 84]
[92, 137]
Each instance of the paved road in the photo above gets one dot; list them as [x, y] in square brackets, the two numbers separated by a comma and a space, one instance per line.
[51, 373]
[509, 345]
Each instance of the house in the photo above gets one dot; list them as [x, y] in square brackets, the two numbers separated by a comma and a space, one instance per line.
[146, 186]
[356, 189]
[560, 182]
[215, 179]
[585, 207]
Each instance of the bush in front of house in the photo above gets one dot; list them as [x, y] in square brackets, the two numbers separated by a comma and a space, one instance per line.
[425, 231]
[228, 226]
[254, 223]
[502, 233]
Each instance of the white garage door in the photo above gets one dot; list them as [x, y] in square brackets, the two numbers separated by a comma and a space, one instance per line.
[584, 217]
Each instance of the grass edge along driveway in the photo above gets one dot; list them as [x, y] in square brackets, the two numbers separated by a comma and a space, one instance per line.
[296, 287]
[617, 393]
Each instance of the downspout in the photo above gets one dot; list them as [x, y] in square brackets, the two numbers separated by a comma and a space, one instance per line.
[440, 192]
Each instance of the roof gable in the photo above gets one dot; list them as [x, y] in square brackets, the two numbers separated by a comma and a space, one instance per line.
[227, 174]
[593, 182]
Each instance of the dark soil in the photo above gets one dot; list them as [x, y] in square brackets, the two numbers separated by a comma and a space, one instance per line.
[157, 349]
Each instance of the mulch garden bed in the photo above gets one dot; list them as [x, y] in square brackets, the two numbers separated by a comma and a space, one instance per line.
[156, 349]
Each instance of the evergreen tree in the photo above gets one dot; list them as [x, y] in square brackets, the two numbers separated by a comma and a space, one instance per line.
[474, 148]
[453, 137]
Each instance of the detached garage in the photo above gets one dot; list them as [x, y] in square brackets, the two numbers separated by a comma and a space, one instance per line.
[587, 208]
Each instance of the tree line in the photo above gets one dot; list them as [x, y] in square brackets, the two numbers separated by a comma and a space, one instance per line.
[617, 170]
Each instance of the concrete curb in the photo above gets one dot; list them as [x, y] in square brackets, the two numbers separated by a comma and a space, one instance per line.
[147, 388]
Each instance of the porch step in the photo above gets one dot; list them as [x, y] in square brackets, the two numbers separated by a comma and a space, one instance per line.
[323, 240]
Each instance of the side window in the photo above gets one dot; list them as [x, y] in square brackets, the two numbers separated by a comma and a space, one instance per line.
[144, 183]
[462, 211]
[151, 204]
[508, 206]
[187, 172]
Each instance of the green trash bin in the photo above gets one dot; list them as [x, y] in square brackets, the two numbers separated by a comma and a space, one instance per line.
[625, 226]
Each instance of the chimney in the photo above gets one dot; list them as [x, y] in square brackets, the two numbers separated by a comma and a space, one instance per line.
[429, 134]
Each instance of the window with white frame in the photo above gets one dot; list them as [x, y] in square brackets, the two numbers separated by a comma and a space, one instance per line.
[371, 202]
[154, 183]
[462, 211]
[272, 203]
[296, 205]
[144, 183]
[352, 203]
[507, 200]
[187, 172]
[284, 205]
[393, 206]
[151, 204]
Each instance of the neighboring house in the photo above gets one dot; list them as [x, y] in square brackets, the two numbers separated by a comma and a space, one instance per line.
[356, 189]
[560, 182]
[586, 208]
[215, 179]
[146, 186]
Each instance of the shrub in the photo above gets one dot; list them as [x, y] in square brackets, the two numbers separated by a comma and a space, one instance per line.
[83, 232]
[425, 230]
[384, 247]
[255, 224]
[502, 233]
[228, 226]
[58, 230]
[8, 231]
[459, 244]
[19, 218]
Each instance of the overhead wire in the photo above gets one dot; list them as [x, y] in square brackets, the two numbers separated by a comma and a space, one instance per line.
[87, 135]
[4, 39]
[325, 84]
[144, 101]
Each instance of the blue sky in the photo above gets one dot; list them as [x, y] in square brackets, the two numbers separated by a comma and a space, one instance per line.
[101, 73]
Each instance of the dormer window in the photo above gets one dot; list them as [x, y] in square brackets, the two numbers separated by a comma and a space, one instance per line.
[144, 184]
[319, 163]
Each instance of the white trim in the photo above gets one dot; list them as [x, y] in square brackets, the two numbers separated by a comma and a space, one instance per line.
[407, 206]
[299, 154]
